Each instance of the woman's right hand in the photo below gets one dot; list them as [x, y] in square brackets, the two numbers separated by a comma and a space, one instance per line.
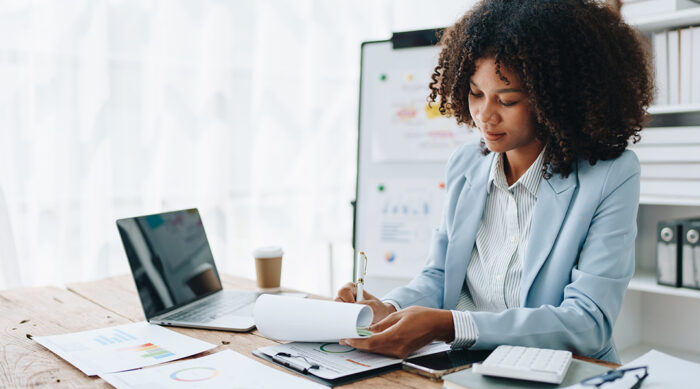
[348, 292]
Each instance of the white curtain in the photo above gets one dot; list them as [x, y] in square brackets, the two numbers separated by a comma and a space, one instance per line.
[244, 109]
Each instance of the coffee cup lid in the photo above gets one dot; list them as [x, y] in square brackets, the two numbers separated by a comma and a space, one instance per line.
[268, 252]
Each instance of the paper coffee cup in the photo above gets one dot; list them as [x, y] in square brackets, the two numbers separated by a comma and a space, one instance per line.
[268, 267]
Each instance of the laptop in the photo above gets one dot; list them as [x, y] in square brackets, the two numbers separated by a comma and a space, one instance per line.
[176, 276]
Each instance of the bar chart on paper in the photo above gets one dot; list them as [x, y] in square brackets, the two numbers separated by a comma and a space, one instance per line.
[122, 348]
[404, 214]
[118, 336]
[149, 350]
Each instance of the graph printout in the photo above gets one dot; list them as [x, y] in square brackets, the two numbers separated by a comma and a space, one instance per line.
[123, 347]
[225, 369]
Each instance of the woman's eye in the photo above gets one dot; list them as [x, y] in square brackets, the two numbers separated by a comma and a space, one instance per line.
[503, 103]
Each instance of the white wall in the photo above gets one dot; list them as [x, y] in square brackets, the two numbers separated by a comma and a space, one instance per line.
[247, 110]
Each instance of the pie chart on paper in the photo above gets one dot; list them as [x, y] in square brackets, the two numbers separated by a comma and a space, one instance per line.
[335, 348]
[194, 374]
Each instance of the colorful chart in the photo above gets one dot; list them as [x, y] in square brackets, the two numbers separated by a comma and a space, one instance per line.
[194, 374]
[389, 256]
[123, 347]
[223, 370]
[406, 113]
[150, 351]
[118, 336]
[335, 348]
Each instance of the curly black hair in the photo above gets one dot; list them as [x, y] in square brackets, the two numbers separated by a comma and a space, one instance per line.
[588, 75]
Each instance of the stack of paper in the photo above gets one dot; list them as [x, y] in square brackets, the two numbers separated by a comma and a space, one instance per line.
[110, 352]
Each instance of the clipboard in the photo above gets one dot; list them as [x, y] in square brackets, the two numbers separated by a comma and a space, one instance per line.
[304, 370]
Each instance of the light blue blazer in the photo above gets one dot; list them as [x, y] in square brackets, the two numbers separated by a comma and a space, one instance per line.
[576, 268]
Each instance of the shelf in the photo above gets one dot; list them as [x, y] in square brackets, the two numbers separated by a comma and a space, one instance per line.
[675, 108]
[685, 17]
[635, 351]
[668, 200]
[645, 281]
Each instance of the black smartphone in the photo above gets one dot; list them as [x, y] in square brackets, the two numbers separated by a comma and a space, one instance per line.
[434, 366]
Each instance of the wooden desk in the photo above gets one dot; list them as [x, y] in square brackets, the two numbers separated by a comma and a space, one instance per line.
[29, 312]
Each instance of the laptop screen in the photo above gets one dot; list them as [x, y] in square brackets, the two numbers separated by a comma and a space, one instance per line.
[170, 259]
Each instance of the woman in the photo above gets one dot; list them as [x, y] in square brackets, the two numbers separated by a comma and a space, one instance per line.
[536, 243]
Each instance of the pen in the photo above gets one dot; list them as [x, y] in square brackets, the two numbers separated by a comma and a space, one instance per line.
[362, 262]
[292, 365]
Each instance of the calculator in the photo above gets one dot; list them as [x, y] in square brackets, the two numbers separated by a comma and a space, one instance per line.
[526, 363]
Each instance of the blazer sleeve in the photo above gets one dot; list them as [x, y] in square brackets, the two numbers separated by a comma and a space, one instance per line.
[583, 322]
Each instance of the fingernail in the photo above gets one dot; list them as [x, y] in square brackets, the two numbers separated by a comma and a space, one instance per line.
[342, 341]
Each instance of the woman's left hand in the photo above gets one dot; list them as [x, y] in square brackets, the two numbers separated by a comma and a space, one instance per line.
[405, 331]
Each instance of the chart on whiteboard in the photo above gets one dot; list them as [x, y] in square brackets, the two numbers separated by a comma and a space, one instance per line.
[405, 127]
[402, 215]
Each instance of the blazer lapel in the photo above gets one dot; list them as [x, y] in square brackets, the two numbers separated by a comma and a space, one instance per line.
[553, 199]
[467, 217]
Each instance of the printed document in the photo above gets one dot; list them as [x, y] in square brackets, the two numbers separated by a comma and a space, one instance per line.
[309, 320]
[225, 369]
[123, 347]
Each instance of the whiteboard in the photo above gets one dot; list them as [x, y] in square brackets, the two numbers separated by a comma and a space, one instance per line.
[403, 146]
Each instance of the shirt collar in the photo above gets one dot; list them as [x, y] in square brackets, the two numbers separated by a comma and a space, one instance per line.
[530, 180]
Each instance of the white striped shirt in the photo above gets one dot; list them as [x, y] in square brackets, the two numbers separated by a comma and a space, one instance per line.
[492, 282]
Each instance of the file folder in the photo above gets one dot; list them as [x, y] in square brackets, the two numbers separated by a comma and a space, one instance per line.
[690, 270]
[668, 252]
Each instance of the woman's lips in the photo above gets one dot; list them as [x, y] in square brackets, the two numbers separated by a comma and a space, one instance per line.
[493, 136]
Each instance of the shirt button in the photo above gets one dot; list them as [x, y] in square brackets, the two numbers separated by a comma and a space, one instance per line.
[512, 239]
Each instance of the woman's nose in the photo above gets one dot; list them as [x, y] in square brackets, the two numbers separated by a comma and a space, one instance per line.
[486, 112]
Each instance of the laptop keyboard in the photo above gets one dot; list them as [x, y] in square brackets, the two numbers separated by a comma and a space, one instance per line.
[219, 305]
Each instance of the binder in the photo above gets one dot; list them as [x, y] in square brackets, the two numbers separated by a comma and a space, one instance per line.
[674, 66]
[695, 63]
[668, 252]
[686, 68]
[691, 254]
[660, 44]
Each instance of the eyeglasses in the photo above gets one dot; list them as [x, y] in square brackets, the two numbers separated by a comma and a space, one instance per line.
[614, 375]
